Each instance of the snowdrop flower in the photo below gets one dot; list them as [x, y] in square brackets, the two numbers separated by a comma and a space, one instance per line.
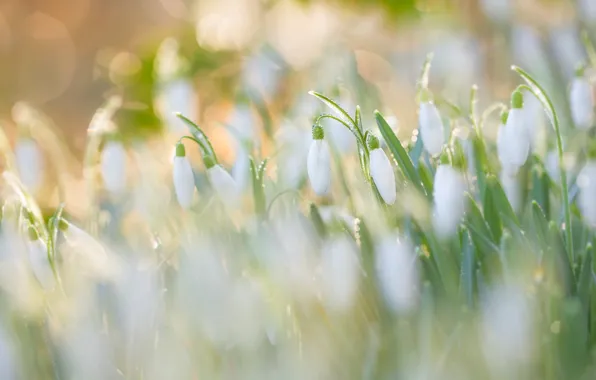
[340, 273]
[449, 206]
[513, 143]
[395, 263]
[497, 10]
[534, 122]
[242, 122]
[587, 192]
[512, 189]
[113, 166]
[431, 128]
[381, 170]
[184, 180]
[319, 162]
[581, 101]
[38, 259]
[587, 10]
[176, 96]
[29, 163]
[222, 182]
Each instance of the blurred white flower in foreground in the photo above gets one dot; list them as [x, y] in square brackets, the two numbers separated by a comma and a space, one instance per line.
[340, 272]
[29, 162]
[507, 331]
[395, 263]
[113, 166]
[38, 259]
[581, 101]
[184, 180]
[431, 128]
[319, 162]
[512, 189]
[381, 171]
[223, 184]
[449, 201]
[513, 142]
[587, 192]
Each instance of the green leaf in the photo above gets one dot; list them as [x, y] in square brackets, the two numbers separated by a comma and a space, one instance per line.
[416, 152]
[491, 215]
[399, 153]
[422, 82]
[540, 190]
[467, 269]
[317, 221]
[426, 178]
[345, 116]
[480, 233]
[589, 46]
[500, 199]
[198, 134]
[559, 258]
[257, 187]
[584, 284]
[358, 120]
[540, 224]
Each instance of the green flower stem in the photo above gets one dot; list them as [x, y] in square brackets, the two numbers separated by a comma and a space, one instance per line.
[354, 131]
[205, 151]
[198, 134]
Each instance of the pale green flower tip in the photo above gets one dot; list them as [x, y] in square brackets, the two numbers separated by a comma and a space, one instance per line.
[372, 142]
[426, 95]
[504, 117]
[180, 150]
[517, 99]
[580, 70]
[317, 132]
[32, 233]
[208, 161]
[444, 158]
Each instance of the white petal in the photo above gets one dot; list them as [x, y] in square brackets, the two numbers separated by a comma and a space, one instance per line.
[224, 185]
[113, 166]
[29, 163]
[382, 173]
[184, 181]
[513, 142]
[319, 166]
[395, 263]
[512, 189]
[38, 258]
[340, 273]
[431, 128]
[241, 169]
[581, 101]
[449, 201]
[176, 96]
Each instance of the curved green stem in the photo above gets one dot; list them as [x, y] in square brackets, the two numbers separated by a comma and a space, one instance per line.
[278, 195]
[354, 131]
[204, 149]
[198, 133]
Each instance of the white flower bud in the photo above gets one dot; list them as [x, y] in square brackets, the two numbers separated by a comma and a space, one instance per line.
[449, 201]
[319, 163]
[340, 273]
[224, 185]
[512, 189]
[184, 180]
[29, 162]
[513, 143]
[381, 171]
[431, 128]
[587, 192]
[581, 101]
[113, 166]
[397, 273]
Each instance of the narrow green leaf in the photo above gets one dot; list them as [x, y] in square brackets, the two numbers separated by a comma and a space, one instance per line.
[491, 215]
[560, 260]
[399, 153]
[540, 190]
[335, 107]
[358, 119]
[584, 284]
[317, 221]
[426, 177]
[416, 152]
[467, 269]
[480, 233]
[257, 187]
[500, 199]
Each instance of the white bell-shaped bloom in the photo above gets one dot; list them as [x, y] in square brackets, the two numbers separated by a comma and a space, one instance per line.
[319, 162]
[512, 189]
[581, 101]
[224, 185]
[113, 166]
[340, 273]
[397, 273]
[176, 96]
[587, 192]
[431, 128]
[38, 259]
[449, 201]
[184, 180]
[381, 171]
[29, 162]
[534, 122]
[513, 142]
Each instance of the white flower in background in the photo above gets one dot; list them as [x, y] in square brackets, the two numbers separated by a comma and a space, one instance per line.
[587, 10]
[184, 180]
[241, 121]
[176, 96]
[241, 168]
[29, 162]
[581, 102]
[262, 73]
[294, 144]
[551, 164]
[566, 46]
[397, 273]
[528, 49]
[507, 331]
[512, 189]
[431, 128]
[38, 259]
[113, 166]
[340, 272]
[381, 170]
[513, 143]
[587, 192]
[497, 10]
[223, 184]
[319, 162]
[449, 201]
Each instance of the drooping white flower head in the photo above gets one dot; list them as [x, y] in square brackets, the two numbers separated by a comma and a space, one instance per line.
[512, 189]
[432, 131]
[223, 184]
[587, 192]
[381, 170]
[319, 162]
[581, 102]
[513, 142]
[29, 162]
[534, 122]
[340, 272]
[449, 201]
[38, 259]
[113, 166]
[184, 180]
[397, 273]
